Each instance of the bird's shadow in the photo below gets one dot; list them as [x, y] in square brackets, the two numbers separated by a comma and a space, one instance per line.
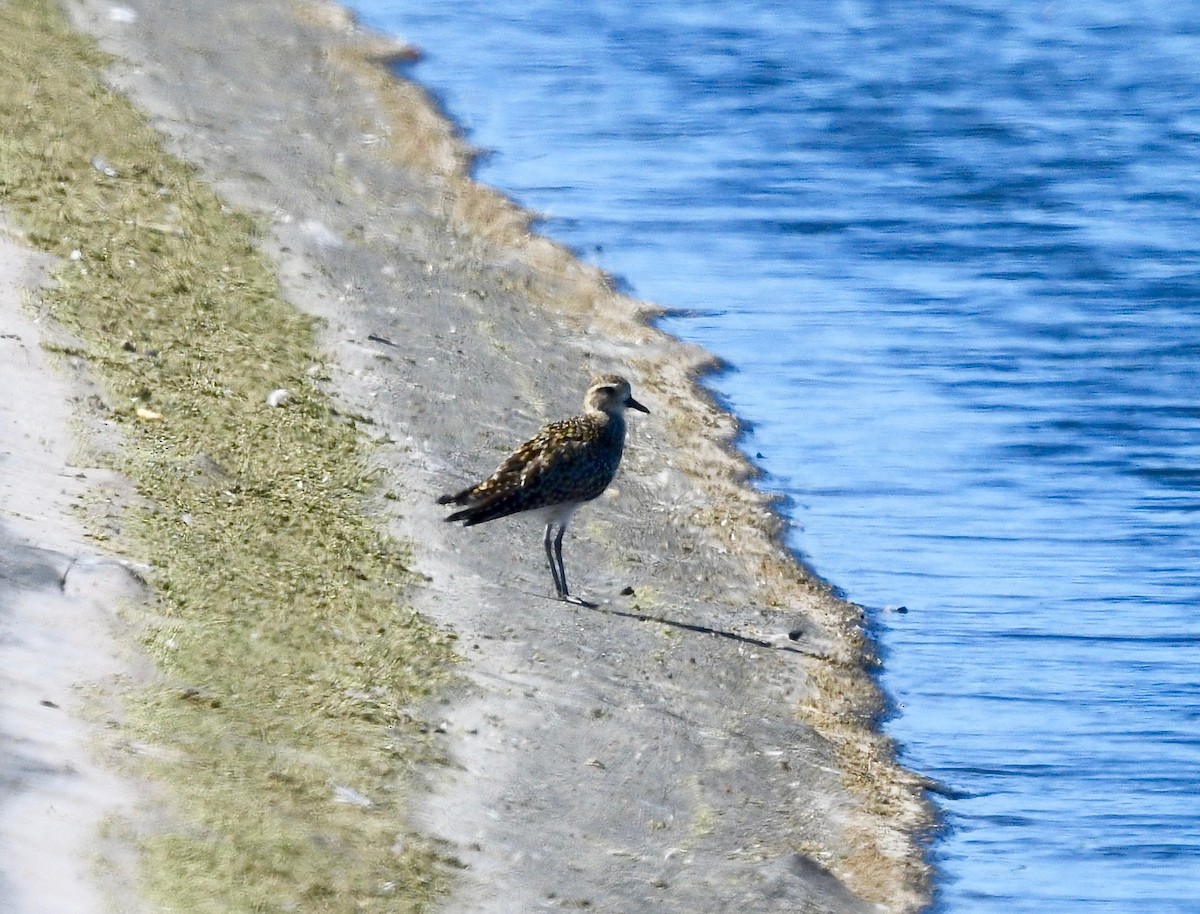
[791, 648]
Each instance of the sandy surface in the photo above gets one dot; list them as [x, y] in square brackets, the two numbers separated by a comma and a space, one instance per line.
[673, 750]
[59, 597]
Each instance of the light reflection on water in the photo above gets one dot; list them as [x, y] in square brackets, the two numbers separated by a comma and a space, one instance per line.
[953, 255]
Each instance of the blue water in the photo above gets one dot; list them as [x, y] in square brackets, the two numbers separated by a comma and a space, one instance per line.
[952, 253]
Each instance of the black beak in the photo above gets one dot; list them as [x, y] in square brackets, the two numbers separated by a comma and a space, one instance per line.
[634, 404]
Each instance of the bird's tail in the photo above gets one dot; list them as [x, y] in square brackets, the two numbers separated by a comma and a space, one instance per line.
[478, 512]
[458, 498]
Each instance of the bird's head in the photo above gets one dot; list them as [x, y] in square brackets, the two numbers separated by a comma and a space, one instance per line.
[611, 394]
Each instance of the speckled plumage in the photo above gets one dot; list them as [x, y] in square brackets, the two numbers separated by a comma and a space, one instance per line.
[567, 463]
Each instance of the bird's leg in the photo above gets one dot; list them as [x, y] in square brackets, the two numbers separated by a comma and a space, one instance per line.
[561, 576]
[562, 569]
[560, 585]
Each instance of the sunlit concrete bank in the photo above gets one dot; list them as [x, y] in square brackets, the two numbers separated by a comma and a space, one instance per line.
[704, 740]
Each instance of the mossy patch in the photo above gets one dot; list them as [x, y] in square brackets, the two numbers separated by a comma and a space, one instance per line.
[292, 673]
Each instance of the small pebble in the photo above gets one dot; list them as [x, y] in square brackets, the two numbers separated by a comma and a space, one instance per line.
[101, 165]
[343, 794]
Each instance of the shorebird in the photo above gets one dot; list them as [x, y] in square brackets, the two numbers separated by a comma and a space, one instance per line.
[564, 465]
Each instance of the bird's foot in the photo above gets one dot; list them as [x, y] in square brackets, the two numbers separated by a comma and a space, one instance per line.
[577, 601]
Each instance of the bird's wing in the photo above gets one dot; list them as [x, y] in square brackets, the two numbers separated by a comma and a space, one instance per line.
[550, 467]
[553, 450]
